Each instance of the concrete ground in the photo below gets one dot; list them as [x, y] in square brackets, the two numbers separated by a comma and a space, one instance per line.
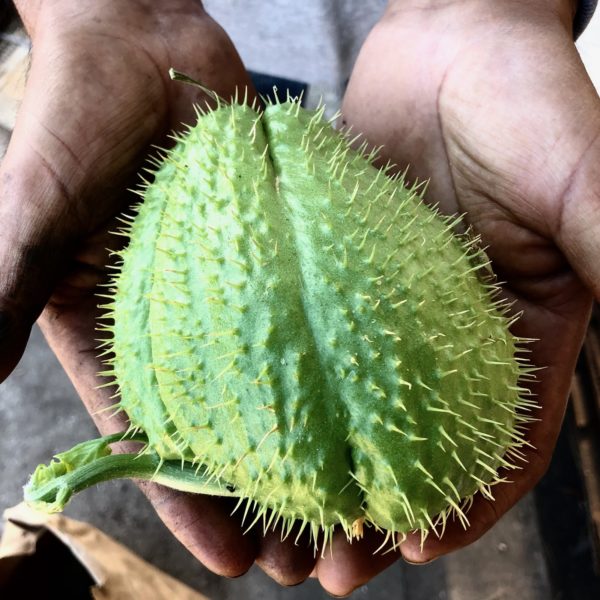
[40, 414]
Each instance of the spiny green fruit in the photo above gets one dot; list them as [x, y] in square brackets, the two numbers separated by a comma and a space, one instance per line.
[293, 327]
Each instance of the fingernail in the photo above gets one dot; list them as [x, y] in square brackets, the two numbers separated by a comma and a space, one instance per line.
[238, 575]
[291, 585]
[421, 563]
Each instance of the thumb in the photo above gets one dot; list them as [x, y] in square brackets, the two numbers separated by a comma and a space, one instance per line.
[33, 246]
[38, 215]
[578, 233]
[67, 163]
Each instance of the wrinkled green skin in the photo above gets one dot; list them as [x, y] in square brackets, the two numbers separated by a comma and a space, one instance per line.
[307, 332]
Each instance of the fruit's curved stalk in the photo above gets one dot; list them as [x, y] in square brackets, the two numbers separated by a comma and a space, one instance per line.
[51, 486]
[182, 77]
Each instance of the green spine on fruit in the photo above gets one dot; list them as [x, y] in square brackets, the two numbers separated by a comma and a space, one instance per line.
[294, 327]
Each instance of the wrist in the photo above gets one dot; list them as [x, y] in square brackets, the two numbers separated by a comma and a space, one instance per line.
[570, 12]
[37, 14]
[568, 5]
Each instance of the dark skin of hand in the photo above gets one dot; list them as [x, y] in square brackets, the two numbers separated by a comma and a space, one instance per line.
[478, 122]
[83, 131]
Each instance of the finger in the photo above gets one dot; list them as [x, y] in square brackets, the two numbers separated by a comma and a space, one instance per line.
[345, 567]
[288, 561]
[202, 524]
[206, 527]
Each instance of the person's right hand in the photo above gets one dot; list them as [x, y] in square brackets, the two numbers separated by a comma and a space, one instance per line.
[98, 95]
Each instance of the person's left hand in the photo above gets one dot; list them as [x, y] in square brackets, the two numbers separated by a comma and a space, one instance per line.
[490, 100]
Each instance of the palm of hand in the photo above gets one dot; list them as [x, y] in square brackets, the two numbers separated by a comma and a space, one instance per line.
[474, 106]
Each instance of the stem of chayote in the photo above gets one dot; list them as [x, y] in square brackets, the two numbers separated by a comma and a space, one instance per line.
[51, 486]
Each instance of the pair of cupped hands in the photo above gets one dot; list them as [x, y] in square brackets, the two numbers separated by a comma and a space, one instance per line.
[487, 99]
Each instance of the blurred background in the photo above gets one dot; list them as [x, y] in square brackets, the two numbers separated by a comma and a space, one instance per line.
[547, 547]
